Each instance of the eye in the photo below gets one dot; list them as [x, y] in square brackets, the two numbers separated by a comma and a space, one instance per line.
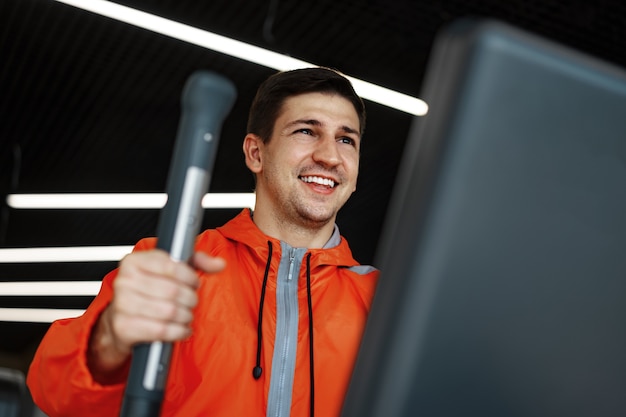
[347, 140]
[304, 131]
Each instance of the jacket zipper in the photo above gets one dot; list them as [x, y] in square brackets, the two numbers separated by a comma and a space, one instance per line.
[286, 341]
[281, 386]
[292, 256]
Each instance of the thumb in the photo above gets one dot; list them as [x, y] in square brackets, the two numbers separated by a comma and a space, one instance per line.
[206, 263]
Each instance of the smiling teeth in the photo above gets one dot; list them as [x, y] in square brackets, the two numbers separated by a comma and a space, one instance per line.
[319, 180]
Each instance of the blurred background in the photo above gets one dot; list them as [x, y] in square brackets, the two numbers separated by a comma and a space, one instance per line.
[90, 104]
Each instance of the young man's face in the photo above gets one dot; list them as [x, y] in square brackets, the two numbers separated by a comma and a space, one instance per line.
[309, 167]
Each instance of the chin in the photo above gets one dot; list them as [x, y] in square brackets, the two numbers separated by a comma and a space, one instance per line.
[320, 217]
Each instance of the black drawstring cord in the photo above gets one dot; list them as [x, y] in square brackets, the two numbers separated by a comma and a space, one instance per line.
[257, 371]
[311, 365]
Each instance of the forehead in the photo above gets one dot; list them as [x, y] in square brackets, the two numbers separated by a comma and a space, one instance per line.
[325, 107]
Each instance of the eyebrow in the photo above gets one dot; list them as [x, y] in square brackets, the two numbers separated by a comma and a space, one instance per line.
[314, 122]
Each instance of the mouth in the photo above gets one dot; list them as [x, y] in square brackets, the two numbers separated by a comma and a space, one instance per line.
[312, 179]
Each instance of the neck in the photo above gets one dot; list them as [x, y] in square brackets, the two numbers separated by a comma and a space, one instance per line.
[299, 234]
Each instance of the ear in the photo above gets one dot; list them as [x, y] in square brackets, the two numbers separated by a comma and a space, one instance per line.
[252, 150]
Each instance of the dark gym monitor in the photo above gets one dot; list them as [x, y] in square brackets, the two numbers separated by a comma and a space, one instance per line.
[503, 259]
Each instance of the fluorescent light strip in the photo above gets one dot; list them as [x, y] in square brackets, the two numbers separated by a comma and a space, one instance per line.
[122, 201]
[241, 50]
[87, 201]
[50, 288]
[37, 315]
[64, 254]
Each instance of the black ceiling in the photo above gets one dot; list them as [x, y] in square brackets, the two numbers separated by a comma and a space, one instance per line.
[90, 104]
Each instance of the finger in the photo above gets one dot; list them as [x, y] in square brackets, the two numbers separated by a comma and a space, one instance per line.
[153, 309]
[132, 330]
[159, 298]
[157, 263]
[206, 263]
[138, 288]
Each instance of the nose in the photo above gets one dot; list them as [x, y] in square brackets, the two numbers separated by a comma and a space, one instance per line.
[326, 152]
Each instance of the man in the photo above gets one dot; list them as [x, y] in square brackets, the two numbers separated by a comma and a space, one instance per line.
[269, 314]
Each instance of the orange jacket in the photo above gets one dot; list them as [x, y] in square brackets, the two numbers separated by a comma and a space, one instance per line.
[211, 372]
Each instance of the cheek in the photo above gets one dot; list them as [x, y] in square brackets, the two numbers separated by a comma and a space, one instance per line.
[292, 155]
[351, 167]
[351, 162]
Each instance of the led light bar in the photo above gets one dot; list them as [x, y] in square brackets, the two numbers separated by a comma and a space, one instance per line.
[87, 201]
[241, 50]
[122, 201]
[50, 288]
[37, 315]
[64, 254]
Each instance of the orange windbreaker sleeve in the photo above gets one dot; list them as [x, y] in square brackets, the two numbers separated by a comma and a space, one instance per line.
[59, 379]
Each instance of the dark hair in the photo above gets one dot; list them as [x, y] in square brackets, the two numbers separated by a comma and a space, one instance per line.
[273, 92]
